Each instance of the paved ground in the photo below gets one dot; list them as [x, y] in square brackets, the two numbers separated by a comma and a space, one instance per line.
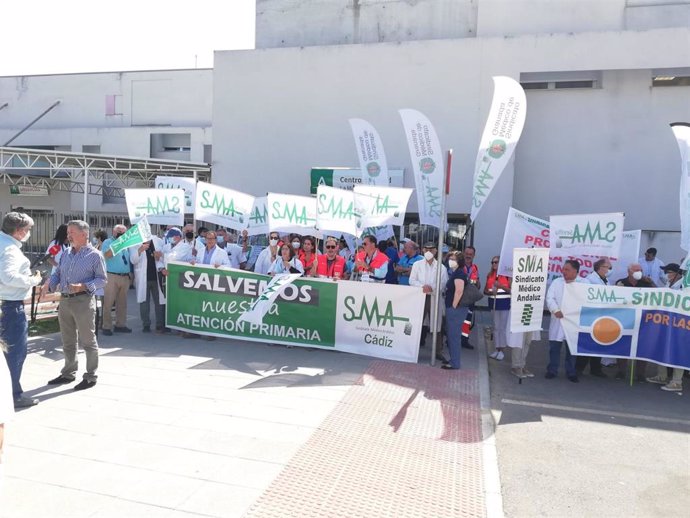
[596, 448]
[193, 428]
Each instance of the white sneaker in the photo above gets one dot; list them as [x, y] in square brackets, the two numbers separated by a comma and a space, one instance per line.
[497, 355]
[673, 387]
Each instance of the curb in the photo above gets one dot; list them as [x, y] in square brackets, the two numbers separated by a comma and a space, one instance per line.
[491, 475]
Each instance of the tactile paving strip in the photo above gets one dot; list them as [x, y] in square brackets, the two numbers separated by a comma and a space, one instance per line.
[404, 442]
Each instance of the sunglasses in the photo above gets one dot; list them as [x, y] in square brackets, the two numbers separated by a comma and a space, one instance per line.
[330, 247]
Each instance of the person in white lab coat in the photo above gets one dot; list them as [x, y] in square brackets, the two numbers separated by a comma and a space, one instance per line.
[554, 298]
[148, 262]
[211, 254]
[653, 268]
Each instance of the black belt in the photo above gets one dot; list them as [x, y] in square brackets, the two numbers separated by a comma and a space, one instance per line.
[70, 295]
[122, 274]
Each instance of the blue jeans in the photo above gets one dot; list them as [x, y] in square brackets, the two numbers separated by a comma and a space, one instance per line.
[15, 333]
[555, 359]
[454, 319]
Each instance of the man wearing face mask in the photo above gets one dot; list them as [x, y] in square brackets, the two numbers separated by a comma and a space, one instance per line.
[117, 268]
[635, 279]
[16, 281]
[268, 255]
[423, 275]
[674, 278]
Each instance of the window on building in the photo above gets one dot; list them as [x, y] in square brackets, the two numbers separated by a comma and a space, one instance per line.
[587, 79]
[171, 146]
[113, 105]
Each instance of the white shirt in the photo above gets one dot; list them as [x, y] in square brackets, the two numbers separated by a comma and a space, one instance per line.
[16, 280]
[264, 262]
[236, 255]
[593, 278]
[424, 273]
[554, 298]
[652, 269]
[279, 267]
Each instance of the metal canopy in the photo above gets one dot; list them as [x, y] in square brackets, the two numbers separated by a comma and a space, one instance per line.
[66, 171]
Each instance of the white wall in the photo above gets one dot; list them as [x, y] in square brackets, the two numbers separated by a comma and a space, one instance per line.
[295, 23]
[278, 112]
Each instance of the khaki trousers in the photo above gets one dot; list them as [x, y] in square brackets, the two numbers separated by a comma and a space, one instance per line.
[77, 318]
[518, 355]
[115, 293]
[676, 377]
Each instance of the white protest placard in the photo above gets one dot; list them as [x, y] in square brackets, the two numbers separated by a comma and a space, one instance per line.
[501, 134]
[179, 182]
[521, 231]
[258, 217]
[290, 213]
[528, 291]
[335, 210]
[427, 165]
[225, 207]
[379, 206]
[160, 206]
[587, 234]
[372, 157]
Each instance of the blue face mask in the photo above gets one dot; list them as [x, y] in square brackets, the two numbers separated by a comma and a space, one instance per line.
[220, 240]
[203, 240]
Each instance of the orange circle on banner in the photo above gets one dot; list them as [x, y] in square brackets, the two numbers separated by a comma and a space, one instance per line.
[606, 330]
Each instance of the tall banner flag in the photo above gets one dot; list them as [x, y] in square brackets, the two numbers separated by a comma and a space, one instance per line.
[501, 134]
[335, 211]
[290, 213]
[138, 234]
[372, 157]
[587, 234]
[221, 206]
[646, 323]
[528, 291]
[256, 312]
[258, 217]
[379, 206]
[377, 320]
[427, 165]
[681, 130]
[160, 206]
[179, 182]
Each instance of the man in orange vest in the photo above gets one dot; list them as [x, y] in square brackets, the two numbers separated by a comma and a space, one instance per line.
[370, 264]
[330, 264]
[472, 273]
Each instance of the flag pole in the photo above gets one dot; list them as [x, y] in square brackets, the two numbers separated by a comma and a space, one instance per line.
[441, 234]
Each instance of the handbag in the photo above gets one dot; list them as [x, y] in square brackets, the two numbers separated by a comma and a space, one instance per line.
[470, 295]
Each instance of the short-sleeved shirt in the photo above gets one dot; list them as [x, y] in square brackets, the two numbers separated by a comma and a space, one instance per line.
[450, 285]
[406, 262]
[118, 263]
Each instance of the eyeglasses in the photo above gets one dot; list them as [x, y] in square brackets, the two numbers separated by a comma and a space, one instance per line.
[330, 247]
[494, 262]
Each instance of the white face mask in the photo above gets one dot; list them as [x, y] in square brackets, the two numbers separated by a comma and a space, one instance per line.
[608, 272]
[26, 237]
[273, 242]
[637, 275]
[295, 244]
[220, 240]
[453, 264]
[428, 255]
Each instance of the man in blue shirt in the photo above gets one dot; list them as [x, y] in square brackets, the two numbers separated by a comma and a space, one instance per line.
[116, 289]
[16, 281]
[80, 274]
[404, 266]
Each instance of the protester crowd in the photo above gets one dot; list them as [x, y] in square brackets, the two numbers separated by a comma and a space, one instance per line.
[84, 269]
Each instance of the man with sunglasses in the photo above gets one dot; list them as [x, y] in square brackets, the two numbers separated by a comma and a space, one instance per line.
[329, 265]
[118, 268]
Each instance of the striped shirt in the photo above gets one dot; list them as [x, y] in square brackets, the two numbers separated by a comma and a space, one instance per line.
[85, 266]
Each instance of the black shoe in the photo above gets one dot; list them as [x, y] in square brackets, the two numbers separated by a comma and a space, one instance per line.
[467, 346]
[598, 374]
[61, 380]
[147, 329]
[122, 329]
[107, 332]
[549, 375]
[448, 366]
[24, 402]
[84, 384]
[574, 379]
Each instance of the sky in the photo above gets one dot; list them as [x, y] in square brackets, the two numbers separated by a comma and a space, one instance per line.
[64, 36]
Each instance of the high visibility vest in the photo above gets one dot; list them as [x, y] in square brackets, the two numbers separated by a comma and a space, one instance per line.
[336, 270]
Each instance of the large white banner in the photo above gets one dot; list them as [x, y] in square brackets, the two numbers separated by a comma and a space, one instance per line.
[525, 231]
[427, 165]
[258, 218]
[225, 207]
[335, 211]
[528, 291]
[379, 206]
[521, 231]
[587, 234]
[681, 130]
[160, 206]
[290, 213]
[372, 157]
[177, 182]
[501, 134]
